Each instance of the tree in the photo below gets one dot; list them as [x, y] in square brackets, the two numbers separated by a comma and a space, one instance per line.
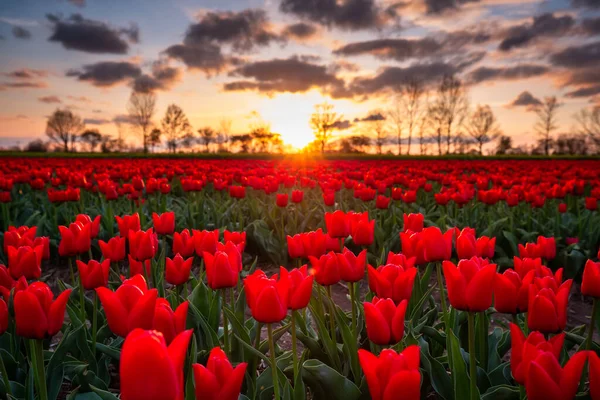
[243, 141]
[207, 136]
[407, 110]
[504, 145]
[574, 144]
[378, 126]
[92, 138]
[63, 126]
[451, 106]
[141, 108]
[36, 146]
[154, 139]
[588, 123]
[322, 122]
[483, 126]
[546, 123]
[436, 119]
[175, 126]
[225, 132]
[119, 144]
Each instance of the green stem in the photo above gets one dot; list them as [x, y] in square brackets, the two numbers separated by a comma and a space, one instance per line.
[94, 323]
[294, 345]
[331, 313]
[590, 338]
[225, 323]
[438, 268]
[522, 392]
[5, 377]
[351, 287]
[254, 362]
[37, 360]
[82, 300]
[72, 271]
[273, 361]
[472, 360]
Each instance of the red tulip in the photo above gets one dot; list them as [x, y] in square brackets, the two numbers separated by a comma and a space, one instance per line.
[338, 224]
[382, 202]
[590, 284]
[237, 192]
[164, 224]
[17, 237]
[143, 244]
[511, 293]
[223, 268]
[547, 310]
[385, 321]
[353, 270]
[95, 223]
[3, 317]
[295, 246]
[547, 380]
[413, 246]
[470, 284]
[167, 322]
[266, 298]
[594, 361]
[131, 306]
[562, 208]
[139, 267]
[547, 246]
[6, 282]
[329, 198]
[393, 281]
[315, 243]
[128, 223]
[93, 274]
[327, 268]
[75, 239]
[149, 370]
[523, 351]
[413, 222]
[437, 246]
[205, 241]
[218, 380]
[591, 203]
[25, 261]
[297, 196]
[178, 270]
[392, 374]
[114, 249]
[37, 314]
[239, 238]
[363, 231]
[281, 200]
[300, 287]
[400, 260]
[183, 243]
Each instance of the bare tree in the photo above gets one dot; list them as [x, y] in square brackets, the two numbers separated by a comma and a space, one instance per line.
[436, 117]
[546, 123]
[207, 136]
[119, 142]
[322, 122]
[407, 110]
[483, 126]
[141, 108]
[175, 126]
[243, 141]
[504, 145]
[452, 106]
[63, 127]
[225, 132]
[154, 139]
[588, 123]
[379, 129]
[92, 138]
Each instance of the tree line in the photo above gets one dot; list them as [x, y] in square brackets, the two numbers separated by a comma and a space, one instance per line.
[435, 121]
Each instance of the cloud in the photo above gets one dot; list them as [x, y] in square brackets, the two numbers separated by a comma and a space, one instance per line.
[578, 56]
[206, 57]
[163, 77]
[542, 25]
[371, 118]
[344, 14]
[525, 99]
[106, 73]
[26, 73]
[519, 71]
[584, 92]
[282, 75]
[78, 3]
[342, 125]
[591, 26]
[49, 99]
[21, 33]
[79, 33]
[444, 6]
[122, 119]
[96, 121]
[586, 3]
[81, 99]
[23, 85]
[300, 31]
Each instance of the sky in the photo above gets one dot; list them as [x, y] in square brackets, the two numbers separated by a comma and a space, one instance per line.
[226, 59]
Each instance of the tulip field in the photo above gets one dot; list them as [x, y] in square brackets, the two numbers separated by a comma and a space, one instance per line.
[183, 279]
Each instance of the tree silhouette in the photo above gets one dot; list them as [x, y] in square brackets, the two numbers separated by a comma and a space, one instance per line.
[322, 122]
[588, 123]
[175, 126]
[154, 138]
[92, 138]
[546, 123]
[62, 127]
[141, 108]
[450, 107]
[483, 126]
[407, 110]
[207, 136]
[225, 132]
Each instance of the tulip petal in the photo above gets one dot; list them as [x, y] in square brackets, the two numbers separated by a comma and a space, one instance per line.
[142, 314]
[408, 383]
[30, 318]
[207, 386]
[368, 363]
[378, 329]
[56, 315]
[479, 289]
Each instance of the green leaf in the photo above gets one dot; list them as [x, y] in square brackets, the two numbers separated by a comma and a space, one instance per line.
[440, 379]
[326, 383]
[112, 352]
[502, 392]
[459, 369]
[103, 394]
[350, 343]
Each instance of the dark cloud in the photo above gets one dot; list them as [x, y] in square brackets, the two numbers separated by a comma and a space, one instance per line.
[81, 99]
[21, 33]
[526, 99]
[79, 33]
[300, 31]
[343, 65]
[585, 92]
[97, 111]
[24, 85]
[282, 75]
[26, 73]
[444, 6]
[543, 25]
[578, 56]
[49, 99]
[342, 125]
[163, 77]
[123, 119]
[345, 14]
[520, 71]
[591, 26]
[96, 121]
[78, 3]
[586, 3]
[206, 57]
[106, 73]
[371, 118]
[579, 77]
